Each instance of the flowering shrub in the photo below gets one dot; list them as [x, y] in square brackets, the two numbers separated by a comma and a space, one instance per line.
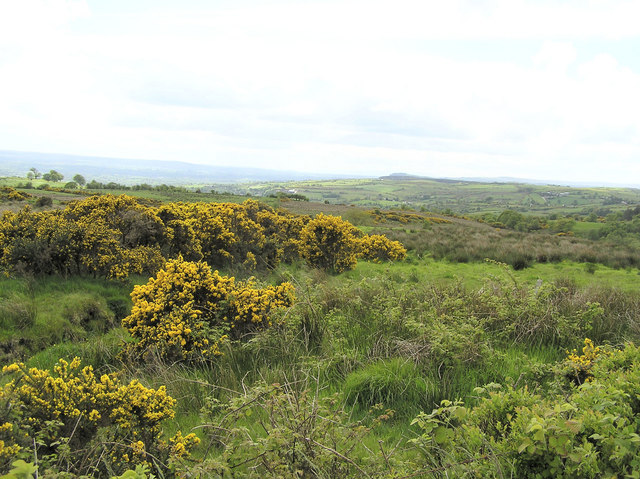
[187, 310]
[116, 236]
[81, 422]
[379, 248]
[11, 194]
[328, 242]
[56, 242]
[579, 367]
[227, 233]
[135, 224]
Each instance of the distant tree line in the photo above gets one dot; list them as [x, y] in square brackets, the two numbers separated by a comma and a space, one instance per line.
[96, 185]
[80, 181]
[289, 196]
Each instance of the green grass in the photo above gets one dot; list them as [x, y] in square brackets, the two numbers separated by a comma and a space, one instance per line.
[460, 196]
[473, 274]
[405, 334]
[152, 195]
[395, 383]
[583, 228]
[38, 313]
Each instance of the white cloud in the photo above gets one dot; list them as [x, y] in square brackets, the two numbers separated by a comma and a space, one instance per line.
[353, 86]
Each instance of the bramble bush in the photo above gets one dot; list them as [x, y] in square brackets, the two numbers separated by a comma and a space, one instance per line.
[293, 430]
[187, 310]
[589, 431]
[84, 424]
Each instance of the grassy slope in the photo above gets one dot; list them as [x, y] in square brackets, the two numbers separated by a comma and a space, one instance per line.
[460, 197]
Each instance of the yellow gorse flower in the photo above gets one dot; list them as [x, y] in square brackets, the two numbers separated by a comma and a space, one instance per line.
[74, 405]
[186, 310]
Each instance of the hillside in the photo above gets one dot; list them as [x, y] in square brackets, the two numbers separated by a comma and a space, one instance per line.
[462, 197]
[180, 334]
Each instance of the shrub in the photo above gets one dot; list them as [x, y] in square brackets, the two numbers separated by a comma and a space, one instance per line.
[329, 243]
[586, 432]
[43, 201]
[292, 430]
[8, 193]
[577, 368]
[187, 310]
[84, 424]
[379, 248]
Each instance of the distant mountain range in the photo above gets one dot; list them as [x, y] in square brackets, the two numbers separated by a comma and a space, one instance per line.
[131, 171]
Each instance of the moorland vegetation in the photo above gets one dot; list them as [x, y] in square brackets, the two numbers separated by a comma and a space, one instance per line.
[213, 339]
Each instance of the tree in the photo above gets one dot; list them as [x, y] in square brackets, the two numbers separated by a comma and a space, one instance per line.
[34, 173]
[53, 175]
[79, 179]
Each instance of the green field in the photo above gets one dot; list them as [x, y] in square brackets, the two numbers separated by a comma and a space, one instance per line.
[462, 197]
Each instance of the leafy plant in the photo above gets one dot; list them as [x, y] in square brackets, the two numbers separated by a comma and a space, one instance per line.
[292, 431]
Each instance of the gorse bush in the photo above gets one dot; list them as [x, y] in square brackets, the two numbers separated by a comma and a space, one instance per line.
[11, 194]
[116, 236]
[379, 248]
[85, 424]
[330, 243]
[51, 242]
[578, 367]
[187, 310]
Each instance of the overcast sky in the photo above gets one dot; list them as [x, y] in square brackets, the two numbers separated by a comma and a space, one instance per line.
[538, 89]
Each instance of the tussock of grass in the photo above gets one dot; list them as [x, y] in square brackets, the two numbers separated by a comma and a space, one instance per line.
[37, 314]
[394, 383]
